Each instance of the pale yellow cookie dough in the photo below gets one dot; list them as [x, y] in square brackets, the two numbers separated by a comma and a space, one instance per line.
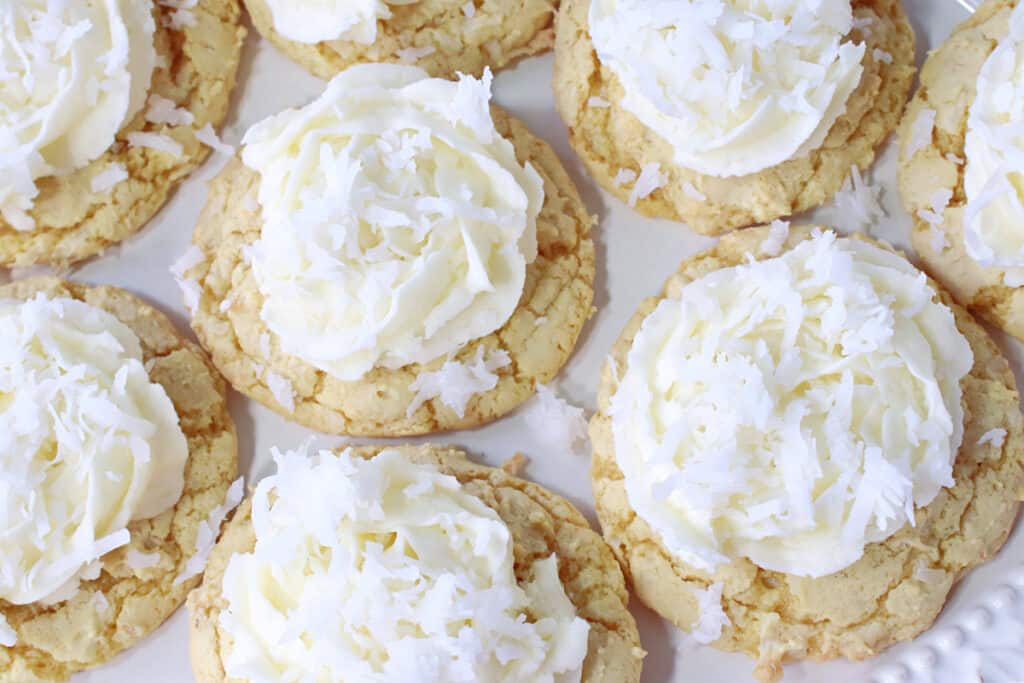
[123, 605]
[499, 33]
[610, 139]
[557, 295]
[540, 522]
[72, 221]
[948, 81]
[884, 597]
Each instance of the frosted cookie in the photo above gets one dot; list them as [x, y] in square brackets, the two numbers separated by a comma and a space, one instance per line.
[960, 165]
[802, 445]
[443, 37]
[105, 107]
[394, 258]
[117, 456]
[409, 564]
[724, 114]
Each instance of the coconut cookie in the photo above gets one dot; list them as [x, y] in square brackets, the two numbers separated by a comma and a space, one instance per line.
[443, 37]
[727, 114]
[960, 165]
[802, 445]
[394, 258]
[409, 564]
[117, 456]
[106, 106]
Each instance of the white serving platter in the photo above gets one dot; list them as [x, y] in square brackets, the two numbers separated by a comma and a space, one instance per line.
[979, 636]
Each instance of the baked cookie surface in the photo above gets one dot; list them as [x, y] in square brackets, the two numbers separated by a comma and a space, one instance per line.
[610, 139]
[197, 74]
[124, 604]
[896, 589]
[540, 523]
[948, 87]
[493, 33]
[539, 337]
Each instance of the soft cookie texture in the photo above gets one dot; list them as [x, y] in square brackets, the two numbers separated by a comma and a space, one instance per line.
[123, 605]
[948, 82]
[493, 33]
[198, 74]
[539, 337]
[540, 523]
[610, 139]
[895, 591]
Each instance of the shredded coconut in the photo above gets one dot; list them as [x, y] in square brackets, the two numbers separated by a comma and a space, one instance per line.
[100, 602]
[1013, 278]
[137, 560]
[163, 110]
[250, 204]
[599, 102]
[208, 136]
[179, 19]
[105, 180]
[857, 206]
[954, 159]
[411, 55]
[540, 321]
[8, 638]
[265, 344]
[456, 382]
[692, 192]
[190, 289]
[921, 132]
[863, 24]
[559, 424]
[939, 201]
[624, 177]
[157, 141]
[282, 389]
[777, 234]
[225, 305]
[209, 529]
[925, 574]
[469, 9]
[996, 437]
[651, 178]
[881, 56]
[937, 237]
[711, 617]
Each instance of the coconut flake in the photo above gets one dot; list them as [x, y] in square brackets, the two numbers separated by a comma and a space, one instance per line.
[108, 178]
[163, 110]
[469, 9]
[857, 206]
[456, 382]
[921, 132]
[881, 56]
[651, 178]
[690, 190]
[8, 638]
[250, 204]
[157, 141]
[1013, 278]
[939, 201]
[559, 424]
[179, 20]
[925, 574]
[208, 136]
[937, 238]
[777, 234]
[137, 560]
[265, 345]
[190, 289]
[996, 437]
[954, 159]
[225, 304]
[624, 177]
[99, 602]
[711, 617]
[282, 389]
[540, 321]
[411, 55]
[209, 529]
[599, 102]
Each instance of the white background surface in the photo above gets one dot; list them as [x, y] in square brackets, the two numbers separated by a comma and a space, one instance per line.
[980, 632]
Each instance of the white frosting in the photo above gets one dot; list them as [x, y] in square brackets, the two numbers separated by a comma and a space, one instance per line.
[398, 223]
[791, 410]
[735, 86]
[73, 73]
[385, 570]
[314, 21]
[994, 147]
[87, 444]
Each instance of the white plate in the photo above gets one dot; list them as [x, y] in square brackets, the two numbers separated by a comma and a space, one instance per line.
[981, 632]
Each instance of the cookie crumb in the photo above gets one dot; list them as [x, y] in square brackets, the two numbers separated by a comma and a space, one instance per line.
[515, 464]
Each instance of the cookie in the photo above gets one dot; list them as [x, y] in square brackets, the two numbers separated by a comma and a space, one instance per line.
[129, 599]
[617, 147]
[932, 161]
[199, 51]
[538, 338]
[443, 37]
[540, 523]
[899, 585]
